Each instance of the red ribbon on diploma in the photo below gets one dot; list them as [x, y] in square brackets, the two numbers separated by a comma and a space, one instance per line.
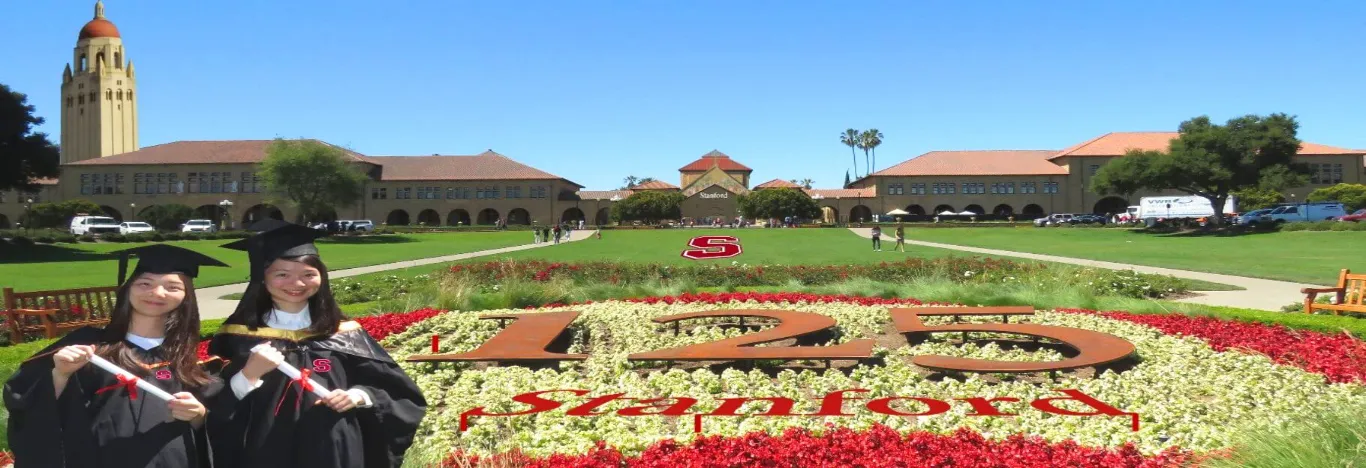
[126, 381]
[305, 386]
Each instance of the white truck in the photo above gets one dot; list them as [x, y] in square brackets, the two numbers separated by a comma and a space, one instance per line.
[1307, 211]
[1178, 207]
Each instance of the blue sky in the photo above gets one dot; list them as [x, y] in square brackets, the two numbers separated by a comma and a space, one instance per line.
[595, 90]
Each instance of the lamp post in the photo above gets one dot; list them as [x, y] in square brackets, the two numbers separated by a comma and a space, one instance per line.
[226, 205]
[28, 215]
[132, 211]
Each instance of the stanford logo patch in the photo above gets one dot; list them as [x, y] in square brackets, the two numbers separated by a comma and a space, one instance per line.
[712, 247]
[163, 374]
[322, 365]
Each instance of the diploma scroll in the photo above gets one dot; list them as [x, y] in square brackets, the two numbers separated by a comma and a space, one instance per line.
[293, 373]
[143, 384]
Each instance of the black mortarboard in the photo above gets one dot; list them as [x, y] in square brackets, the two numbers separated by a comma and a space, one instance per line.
[276, 239]
[162, 258]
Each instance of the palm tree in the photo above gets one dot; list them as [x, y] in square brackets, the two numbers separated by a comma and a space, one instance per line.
[806, 183]
[850, 138]
[872, 139]
[863, 145]
[631, 181]
[645, 180]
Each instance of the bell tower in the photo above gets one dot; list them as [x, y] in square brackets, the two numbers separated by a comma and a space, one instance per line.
[99, 104]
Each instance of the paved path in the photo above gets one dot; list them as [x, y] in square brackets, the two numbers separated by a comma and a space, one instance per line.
[1262, 294]
[211, 307]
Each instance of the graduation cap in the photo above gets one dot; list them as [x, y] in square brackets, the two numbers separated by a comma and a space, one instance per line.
[276, 239]
[163, 258]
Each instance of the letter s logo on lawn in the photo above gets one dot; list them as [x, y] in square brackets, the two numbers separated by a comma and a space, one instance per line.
[712, 247]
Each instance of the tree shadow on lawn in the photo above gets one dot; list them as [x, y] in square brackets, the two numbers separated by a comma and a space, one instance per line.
[1221, 232]
[45, 253]
[366, 240]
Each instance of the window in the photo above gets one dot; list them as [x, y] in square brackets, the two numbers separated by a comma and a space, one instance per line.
[1029, 187]
[1009, 187]
[1050, 187]
[139, 183]
[428, 193]
[405, 193]
[971, 188]
[193, 179]
[896, 189]
[538, 191]
[486, 193]
[996, 188]
[457, 193]
[1325, 174]
[163, 183]
[1094, 168]
[215, 182]
[514, 191]
[917, 189]
[85, 184]
[379, 194]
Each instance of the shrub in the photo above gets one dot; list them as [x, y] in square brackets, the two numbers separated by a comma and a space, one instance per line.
[157, 237]
[114, 237]
[174, 235]
[87, 238]
[22, 241]
[45, 239]
[70, 239]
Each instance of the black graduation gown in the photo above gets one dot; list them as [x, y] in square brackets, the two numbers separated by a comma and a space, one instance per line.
[278, 424]
[87, 427]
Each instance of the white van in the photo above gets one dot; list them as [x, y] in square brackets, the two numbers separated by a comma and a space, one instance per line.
[1315, 211]
[82, 225]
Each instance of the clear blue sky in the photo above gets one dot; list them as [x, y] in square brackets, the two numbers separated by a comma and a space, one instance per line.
[594, 90]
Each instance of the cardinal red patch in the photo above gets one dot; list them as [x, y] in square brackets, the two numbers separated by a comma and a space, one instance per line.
[322, 365]
[712, 247]
[163, 374]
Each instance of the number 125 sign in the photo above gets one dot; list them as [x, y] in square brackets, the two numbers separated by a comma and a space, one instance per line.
[712, 247]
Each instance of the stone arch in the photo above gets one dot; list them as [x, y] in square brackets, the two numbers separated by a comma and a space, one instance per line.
[860, 213]
[604, 217]
[1003, 210]
[572, 215]
[99, 59]
[109, 94]
[519, 216]
[916, 210]
[397, 218]
[213, 213]
[943, 208]
[487, 216]
[975, 209]
[429, 217]
[458, 217]
[112, 213]
[830, 214]
[85, 63]
[4, 222]
[260, 212]
[1111, 205]
[118, 59]
[1033, 210]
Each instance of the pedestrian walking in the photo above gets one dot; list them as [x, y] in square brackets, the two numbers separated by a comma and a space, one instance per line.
[877, 238]
[900, 237]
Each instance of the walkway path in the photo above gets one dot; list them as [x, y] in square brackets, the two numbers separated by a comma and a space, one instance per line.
[211, 307]
[1261, 294]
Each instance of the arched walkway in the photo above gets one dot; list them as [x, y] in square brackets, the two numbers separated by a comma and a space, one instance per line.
[397, 218]
[260, 212]
[4, 222]
[572, 215]
[458, 217]
[604, 217]
[112, 213]
[1033, 210]
[519, 216]
[1003, 210]
[860, 213]
[487, 216]
[916, 210]
[977, 209]
[943, 208]
[830, 214]
[429, 217]
[1111, 205]
[213, 213]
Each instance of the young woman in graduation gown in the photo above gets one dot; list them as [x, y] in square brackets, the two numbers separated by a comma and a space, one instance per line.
[65, 412]
[266, 419]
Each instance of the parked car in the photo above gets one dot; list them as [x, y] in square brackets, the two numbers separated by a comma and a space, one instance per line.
[135, 227]
[1254, 217]
[1053, 219]
[1088, 219]
[1317, 211]
[358, 225]
[198, 225]
[82, 225]
[1358, 216]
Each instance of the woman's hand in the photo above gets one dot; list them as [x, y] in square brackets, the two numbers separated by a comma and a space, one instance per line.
[264, 360]
[340, 401]
[70, 359]
[186, 407]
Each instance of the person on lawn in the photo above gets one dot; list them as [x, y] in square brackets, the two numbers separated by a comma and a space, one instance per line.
[267, 419]
[63, 411]
[877, 238]
[900, 237]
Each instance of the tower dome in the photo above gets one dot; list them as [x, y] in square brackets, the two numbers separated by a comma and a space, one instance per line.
[98, 27]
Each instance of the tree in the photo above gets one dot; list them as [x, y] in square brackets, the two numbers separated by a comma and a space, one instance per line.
[167, 217]
[316, 177]
[630, 181]
[778, 203]
[1353, 196]
[649, 206]
[850, 138]
[58, 215]
[1257, 198]
[24, 155]
[871, 139]
[1212, 161]
[805, 183]
[846, 179]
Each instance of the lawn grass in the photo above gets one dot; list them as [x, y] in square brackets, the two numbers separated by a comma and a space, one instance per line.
[64, 266]
[1301, 256]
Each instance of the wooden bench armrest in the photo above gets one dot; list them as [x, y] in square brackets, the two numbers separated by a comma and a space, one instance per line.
[1320, 290]
[36, 312]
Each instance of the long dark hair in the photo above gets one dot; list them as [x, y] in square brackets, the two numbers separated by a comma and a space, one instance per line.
[181, 342]
[322, 308]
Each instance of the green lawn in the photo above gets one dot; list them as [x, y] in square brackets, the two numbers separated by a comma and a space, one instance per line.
[1301, 256]
[64, 266]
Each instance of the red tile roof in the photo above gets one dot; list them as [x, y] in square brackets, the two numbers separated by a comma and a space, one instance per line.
[485, 166]
[655, 185]
[1117, 143]
[776, 183]
[198, 152]
[981, 163]
[843, 193]
[603, 194]
[714, 158]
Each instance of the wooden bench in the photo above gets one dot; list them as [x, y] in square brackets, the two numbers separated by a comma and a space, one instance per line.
[1348, 292]
[51, 314]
